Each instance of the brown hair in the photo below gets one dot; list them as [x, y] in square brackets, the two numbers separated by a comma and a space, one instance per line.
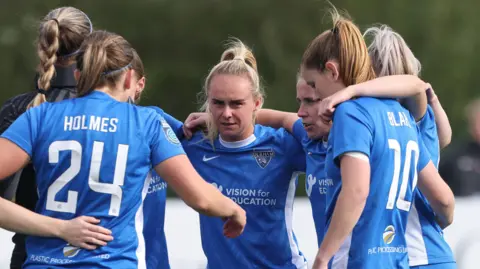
[102, 60]
[238, 60]
[345, 44]
[60, 35]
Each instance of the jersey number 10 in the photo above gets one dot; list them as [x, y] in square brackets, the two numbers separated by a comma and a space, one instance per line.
[70, 206]
[412, 146]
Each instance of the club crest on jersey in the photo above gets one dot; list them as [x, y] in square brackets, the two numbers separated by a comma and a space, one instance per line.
[70, 251]
[171, 137]
[263, 157]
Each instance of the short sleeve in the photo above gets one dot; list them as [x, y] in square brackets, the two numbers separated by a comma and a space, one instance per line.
[23, 131]
[428, 132]
[164, 143]
[298, 131]
[352, 130]
[294, 151]
[176, 125]
[424, 156]
[173, 122]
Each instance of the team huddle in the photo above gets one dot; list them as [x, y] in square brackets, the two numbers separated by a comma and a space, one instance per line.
[367, 136]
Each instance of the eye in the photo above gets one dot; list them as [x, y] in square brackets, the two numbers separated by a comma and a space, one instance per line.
[217, 102]
[237, 104]
[311, 84]
[309, 101]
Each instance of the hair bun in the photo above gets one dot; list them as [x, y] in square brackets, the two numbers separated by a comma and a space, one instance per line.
[236, 50]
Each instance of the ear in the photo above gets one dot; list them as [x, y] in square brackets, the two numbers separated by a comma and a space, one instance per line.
[141, 84]
[139, 89]
[332, 70]
[258, 104]
[128, 79]
[76, 74]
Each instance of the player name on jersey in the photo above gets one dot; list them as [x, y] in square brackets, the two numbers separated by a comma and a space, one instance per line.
[402, 119]
[94, 123]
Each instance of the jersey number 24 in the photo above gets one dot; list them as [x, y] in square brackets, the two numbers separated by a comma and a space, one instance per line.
[70, 206]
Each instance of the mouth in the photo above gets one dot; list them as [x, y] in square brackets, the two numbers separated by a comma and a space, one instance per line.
[306, 125]
[227, 124]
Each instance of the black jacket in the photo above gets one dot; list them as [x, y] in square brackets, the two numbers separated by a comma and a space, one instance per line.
[21, 187]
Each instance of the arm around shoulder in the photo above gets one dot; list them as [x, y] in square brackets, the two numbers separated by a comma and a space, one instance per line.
[277, 119]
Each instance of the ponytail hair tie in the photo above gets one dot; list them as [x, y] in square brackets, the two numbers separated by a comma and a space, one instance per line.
[41, 91]
[55, 20]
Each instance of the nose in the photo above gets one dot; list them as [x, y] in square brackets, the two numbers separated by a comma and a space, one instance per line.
[302, 112]
[227, 112]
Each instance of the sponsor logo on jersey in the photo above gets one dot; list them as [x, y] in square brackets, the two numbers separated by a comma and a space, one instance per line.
[263, 157]
[156, 184]
[323, 184]
[219, 187]
[389, 234]
[247, 196]
[70, 251]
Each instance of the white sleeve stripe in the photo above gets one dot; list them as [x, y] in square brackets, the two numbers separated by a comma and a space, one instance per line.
[358, 155]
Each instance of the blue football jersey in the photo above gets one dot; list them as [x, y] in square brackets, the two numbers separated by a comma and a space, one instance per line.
[154, 222]
[385, 132]
[259, 174]
[425, 241]
[154, 212]
[316, 181]
[92, 156]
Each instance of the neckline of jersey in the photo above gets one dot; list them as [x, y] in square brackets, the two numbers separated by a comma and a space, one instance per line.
[237, 144]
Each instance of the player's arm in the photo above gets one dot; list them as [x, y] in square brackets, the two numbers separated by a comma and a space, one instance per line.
[198, 194]
[277, 119]
[268, 117]
[351, 201]
[444, 130]
[171, 164]
[189, 185]
[438, 194]
[351, 153]
[12, 158]
[79, 232]
[398, 86]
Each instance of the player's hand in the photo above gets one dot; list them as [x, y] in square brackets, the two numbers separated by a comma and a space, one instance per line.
[85, 233]
[235, 224]
[431, 96]
[194, 121]
[327, 105]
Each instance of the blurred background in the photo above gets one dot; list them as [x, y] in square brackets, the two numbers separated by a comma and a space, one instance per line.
[179, 41]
